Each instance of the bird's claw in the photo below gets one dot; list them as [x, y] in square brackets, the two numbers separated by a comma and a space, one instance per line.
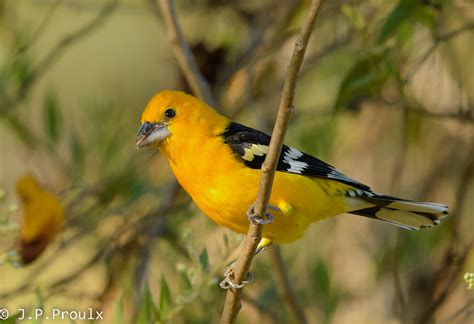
[264, 244]
[255, 219]
[227, 283]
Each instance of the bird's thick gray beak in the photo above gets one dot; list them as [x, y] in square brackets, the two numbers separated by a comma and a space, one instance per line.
[151, 133]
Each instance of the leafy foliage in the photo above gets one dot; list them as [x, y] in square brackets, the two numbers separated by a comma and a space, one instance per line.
[52, 117]
[407, 12]
[365, 79]
[163, 261]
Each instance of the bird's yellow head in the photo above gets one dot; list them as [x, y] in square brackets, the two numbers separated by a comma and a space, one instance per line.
[174, 115]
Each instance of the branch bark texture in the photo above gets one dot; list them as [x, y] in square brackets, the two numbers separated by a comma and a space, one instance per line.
[287, 289]
[232, 303]
[184, 55]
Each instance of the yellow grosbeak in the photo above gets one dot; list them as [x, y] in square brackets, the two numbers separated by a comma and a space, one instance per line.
[42, 218]
[218, 163]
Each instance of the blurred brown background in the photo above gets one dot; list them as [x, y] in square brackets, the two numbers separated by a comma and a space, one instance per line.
[386, 94]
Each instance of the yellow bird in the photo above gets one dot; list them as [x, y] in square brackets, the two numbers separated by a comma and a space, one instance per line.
[43, 216]
[218, 163]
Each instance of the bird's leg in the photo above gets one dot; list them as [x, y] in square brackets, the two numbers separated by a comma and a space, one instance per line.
[227, 283]
[255, 219]
[264, 244]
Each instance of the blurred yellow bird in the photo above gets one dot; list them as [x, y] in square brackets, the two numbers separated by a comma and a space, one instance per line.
[218, 163]
[43, 215]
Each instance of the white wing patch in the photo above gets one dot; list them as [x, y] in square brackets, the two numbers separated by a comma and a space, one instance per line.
[291, 156]
[355, 192]
[251, 146]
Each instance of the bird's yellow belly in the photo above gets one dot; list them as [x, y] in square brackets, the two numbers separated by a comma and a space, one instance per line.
[301, 199]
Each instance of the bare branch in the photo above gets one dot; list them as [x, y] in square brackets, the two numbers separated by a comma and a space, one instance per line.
[288, 292]
[438, 39]
[66, 41]
[41, 27]
[154, 225]
[450, 270]
[56, 52]
[467, 308]
[465, 115]
[266, 39]
[267, 313]
[254, 235]
[397, 282]
[183, 53]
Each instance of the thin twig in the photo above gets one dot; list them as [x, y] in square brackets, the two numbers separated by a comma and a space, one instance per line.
[183, 54]
[152, 223]
[465, 115]
[450, 270]
[254, 235]
[397, 174]
[265, 39]
[439, 39]
[41, 27]
[464, 309]
[56, 52]
[64, 43]
[154, 226]
[397, 281]
[264, 311]
[310, 62]
[288, 292]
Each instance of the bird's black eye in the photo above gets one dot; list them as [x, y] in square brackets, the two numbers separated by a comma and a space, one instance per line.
[170, 113]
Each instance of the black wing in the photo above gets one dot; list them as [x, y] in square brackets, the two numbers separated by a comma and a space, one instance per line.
[251, 146]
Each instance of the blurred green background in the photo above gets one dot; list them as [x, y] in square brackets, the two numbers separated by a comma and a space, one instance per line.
[386, 94]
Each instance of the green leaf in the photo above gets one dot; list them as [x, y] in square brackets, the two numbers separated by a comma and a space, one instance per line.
[21, 69]
[270, 297]
[187, 283]
[39, 304]
[226, 241]
[118, 315]
[364, 79]
[204, 261]
[408, 11]
[354, 17]
[76, 152]
[326, 135]
[21, 131]
[51, 117]
[165, 299]
[322, 279]
[148, 312]
[12, 319]
[412, 127]
[400, 13]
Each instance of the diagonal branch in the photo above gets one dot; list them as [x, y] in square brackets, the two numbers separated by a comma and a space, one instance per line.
[232, 302]
[264, 312]
[40, 29]
[63, 44]
[288, 292]
[55, 53]
[183, 53]
[438, 39]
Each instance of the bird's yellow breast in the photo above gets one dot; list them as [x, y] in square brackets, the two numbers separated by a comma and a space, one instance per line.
[224, 188]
